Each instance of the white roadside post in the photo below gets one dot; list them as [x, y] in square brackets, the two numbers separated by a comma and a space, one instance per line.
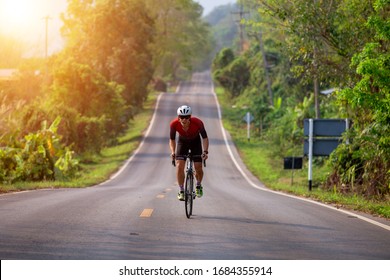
[248, 118]
[310, 173]
[248, 124]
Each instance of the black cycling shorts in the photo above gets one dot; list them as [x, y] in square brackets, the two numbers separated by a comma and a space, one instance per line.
[184, 145]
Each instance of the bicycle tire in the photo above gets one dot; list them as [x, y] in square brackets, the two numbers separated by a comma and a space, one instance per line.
[188, 194]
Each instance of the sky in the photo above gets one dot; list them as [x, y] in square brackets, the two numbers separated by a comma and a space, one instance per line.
[209, 5]
[24, 19]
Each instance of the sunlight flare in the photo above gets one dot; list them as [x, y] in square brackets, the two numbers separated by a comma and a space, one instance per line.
[17, 15]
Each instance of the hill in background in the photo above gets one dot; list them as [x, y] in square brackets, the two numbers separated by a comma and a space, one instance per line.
[224, 26]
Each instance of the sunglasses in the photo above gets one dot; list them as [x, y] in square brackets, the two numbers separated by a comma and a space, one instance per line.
[184, 117]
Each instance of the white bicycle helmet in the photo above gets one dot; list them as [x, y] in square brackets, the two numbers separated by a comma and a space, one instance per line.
[184, 111]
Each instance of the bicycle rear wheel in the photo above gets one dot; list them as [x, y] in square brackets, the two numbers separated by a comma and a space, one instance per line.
[188, 193]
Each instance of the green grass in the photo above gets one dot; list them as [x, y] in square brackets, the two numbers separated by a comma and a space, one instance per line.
[260, 158]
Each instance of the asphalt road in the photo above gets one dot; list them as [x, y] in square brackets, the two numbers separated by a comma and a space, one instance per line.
[136, 214]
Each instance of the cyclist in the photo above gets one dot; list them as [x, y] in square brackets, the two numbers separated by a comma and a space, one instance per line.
[191, 130]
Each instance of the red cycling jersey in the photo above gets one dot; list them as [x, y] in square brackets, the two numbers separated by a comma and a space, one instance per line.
[196, 127]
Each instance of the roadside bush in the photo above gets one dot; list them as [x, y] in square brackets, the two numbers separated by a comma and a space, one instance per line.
[360, 167]
[223, 59]
[83, 133]
[8, 164]
[234, 77]
[38, 156]
[90, 133]
[31, 118]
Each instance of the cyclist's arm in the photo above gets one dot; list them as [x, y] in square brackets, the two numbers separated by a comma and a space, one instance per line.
[205, 141]
[172, 139]
[205, 144]
[172, 145]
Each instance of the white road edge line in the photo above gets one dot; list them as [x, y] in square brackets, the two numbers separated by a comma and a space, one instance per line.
[128, 161]
[140, 145]
[386, 227]
[143, 140]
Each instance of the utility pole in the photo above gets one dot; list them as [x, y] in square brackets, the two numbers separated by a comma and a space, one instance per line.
[315, 78]
[316, 85]
[266, 68]
[241, 14]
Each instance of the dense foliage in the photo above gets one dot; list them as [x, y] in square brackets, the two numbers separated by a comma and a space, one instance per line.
[38, 156]
[91, 90]
[182, 39]
[364, 165]
[232, 73]
[298, 48]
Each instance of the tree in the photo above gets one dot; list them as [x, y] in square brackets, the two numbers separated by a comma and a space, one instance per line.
[223, 58]
[231, 72]
[365, 163]
[113, 37]
[182, 37]
[321, 37]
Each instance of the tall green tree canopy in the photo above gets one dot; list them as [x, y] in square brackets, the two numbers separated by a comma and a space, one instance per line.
[113, 37]
[182, 36]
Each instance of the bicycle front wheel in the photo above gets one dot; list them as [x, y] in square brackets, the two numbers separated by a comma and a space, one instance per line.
[188, 193]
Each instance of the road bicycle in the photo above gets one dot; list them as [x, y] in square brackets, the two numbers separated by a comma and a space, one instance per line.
[189, 192]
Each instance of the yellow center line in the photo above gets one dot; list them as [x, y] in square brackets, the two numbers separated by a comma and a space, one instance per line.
[146, 213]
[160, 196]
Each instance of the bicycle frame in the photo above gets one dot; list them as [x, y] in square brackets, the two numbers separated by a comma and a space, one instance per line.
[189, 192]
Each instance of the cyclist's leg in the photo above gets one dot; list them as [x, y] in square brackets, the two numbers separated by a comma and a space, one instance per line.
[198, 172]
[181, 152]
[180, 165]
[196, 148]
[199, 176]
[197, 152]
